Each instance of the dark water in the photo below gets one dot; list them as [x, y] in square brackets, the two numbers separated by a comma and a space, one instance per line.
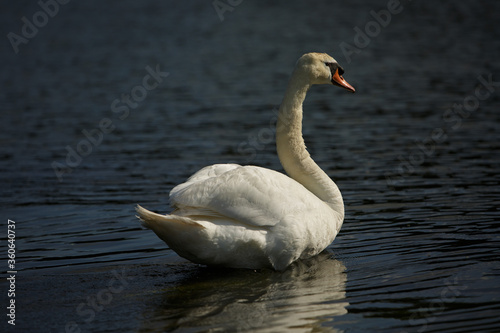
[415, 153]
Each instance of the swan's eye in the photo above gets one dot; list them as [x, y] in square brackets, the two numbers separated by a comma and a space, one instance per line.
[333, 67]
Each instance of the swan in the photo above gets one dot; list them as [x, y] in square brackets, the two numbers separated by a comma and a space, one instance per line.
[252, 217]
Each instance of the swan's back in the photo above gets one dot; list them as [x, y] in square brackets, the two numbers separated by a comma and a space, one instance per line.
[253, 195]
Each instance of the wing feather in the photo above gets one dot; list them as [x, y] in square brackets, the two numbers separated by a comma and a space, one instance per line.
[252, 195]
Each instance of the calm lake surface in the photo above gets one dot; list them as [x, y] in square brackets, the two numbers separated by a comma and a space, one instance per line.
[86, 135]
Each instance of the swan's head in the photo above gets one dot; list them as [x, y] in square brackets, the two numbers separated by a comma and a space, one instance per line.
[320, 68]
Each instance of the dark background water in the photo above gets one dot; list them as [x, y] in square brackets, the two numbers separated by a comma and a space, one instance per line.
[415, 153]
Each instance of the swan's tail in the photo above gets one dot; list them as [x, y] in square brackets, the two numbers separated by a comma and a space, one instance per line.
[146, 217]
[154, 221]
[182, 234]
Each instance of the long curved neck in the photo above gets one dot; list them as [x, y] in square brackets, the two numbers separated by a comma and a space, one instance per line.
[292, 151]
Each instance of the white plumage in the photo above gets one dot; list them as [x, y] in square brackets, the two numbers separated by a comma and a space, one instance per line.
[252, 217]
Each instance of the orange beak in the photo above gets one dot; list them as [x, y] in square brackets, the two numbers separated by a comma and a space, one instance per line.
[338, 80]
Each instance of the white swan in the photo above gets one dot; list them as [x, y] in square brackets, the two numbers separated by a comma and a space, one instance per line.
[252, 217]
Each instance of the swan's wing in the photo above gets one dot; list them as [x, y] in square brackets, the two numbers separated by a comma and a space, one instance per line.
[207, 172]
[252, 195]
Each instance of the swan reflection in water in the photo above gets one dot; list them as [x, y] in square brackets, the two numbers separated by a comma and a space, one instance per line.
[306, 297]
